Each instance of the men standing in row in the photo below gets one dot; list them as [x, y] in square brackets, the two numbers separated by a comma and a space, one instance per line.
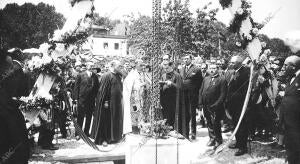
[108, 117]
[290, 111]
[211, 98]
[192, 79]
[85, 90]
[236, 93]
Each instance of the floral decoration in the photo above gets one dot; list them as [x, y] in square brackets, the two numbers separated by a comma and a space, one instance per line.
[49, 65]
[246, 39]
[157, 129]
[34, 104]
[240, 15]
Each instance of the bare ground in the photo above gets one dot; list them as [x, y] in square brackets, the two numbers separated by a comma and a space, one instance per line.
[258, 152]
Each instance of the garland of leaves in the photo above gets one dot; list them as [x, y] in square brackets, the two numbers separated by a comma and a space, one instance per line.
[35, 104]
[158, 129]
[53, 68]
[247, 39]
[240, 15]
[50, 69]
[75, 38]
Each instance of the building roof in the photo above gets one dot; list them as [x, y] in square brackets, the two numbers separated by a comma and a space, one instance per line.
[118, 32]
[109, 36]
[96, 27]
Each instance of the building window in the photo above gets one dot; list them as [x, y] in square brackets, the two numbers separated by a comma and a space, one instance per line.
[105, 45]
[116, 46]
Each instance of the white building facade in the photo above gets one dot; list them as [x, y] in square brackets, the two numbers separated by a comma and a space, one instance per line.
[108, 43]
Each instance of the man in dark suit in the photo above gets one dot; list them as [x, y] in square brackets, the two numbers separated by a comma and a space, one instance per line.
[211, 98]
[192, 79]
[14, 145]
[204, 71]
[290, 110]
[227, 122]
[236, 93]
[85, 91]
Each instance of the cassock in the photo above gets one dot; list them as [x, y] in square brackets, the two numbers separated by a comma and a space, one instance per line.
[108, 122]
[134, 96]
[172, 102]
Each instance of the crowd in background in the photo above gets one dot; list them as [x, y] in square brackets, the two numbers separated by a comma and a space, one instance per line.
[266, 95]
[115, 99]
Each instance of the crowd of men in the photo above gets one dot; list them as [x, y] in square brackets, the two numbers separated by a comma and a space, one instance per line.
[114, 101]
[215, 88]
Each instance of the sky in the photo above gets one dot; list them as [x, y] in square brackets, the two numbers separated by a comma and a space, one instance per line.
[286, 19]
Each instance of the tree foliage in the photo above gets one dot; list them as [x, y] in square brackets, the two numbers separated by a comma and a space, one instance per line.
[140, 33]
[180, 32]
[105, 21]
[28, 25]
[198, 34]
[278, 47]
[207, 31]
[177, 27]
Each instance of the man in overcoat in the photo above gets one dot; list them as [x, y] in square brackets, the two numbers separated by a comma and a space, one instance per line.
[192, 79]
[236, 93]
[290, 109]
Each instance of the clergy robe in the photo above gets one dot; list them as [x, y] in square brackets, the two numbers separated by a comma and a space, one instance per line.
[133, 101]
[172, 102]
[108, 122]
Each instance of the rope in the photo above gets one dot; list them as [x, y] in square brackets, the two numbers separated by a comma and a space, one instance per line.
[85, 138]
[177, 148]
[235, 92]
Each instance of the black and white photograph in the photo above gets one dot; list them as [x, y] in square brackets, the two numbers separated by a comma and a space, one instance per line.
[150, 82]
